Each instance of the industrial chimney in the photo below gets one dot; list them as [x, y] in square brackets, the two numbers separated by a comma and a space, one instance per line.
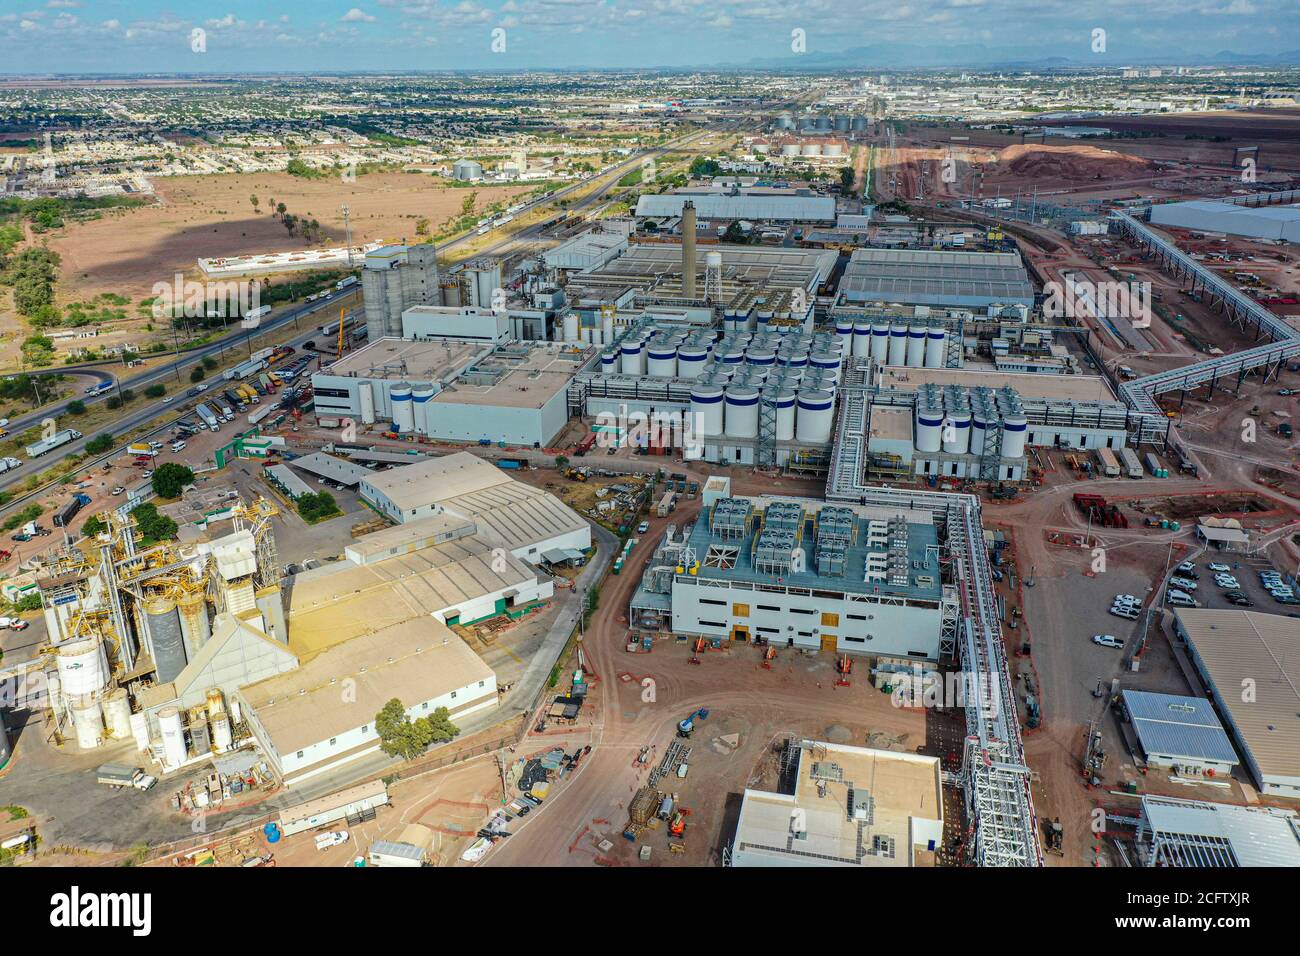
[688, 249]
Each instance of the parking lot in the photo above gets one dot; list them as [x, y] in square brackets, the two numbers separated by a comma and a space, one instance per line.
[1246, 569]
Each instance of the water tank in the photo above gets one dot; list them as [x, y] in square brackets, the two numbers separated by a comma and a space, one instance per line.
[1015, 429]
[936, 348]
[706, 410]
[421, 405]
[789, 150]
[761, 357]
[897, 344]
[825, 360]
[783, 399]
[117, 713]
[742, 411]
[172, 732]
[82, 667]
[833, 150]
[609, 361]
[880, 342]
[841, 124]
[859, 124]
[403, 414]
[661, 359]
[732, 355]
[981, 420]
[816, 411]
[87, 720]
[165, 639]
[916, 346]
[571, 327]
[861, 338]
[200, 739]
[844, 335]
[690, 360]
[929, 427]
[810, 149]
[956, 430]
[221, 734]
[632, 357]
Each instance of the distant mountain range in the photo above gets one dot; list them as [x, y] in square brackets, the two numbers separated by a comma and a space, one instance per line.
[901, 56]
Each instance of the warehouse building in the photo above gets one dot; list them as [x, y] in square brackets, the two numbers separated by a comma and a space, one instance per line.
[524, 519]
[803, 574]
[321, 717]
[1179, 733]
[987, 282]
[1278, 223]
[1192, 833]
[762, 207]
[1250, 663]
[851, 806]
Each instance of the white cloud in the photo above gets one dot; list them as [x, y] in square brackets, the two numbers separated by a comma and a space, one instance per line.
[357, 15]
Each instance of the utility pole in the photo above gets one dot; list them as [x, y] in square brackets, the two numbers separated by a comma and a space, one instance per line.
[347, 232]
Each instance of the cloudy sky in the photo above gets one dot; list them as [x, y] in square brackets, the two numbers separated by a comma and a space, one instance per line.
[239, 35]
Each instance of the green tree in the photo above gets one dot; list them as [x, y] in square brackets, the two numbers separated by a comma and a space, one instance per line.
[170, 478]
[152, 525]
[197, 374]
[157, 390]
[77, 407]
[94, 525]
[561, 461]
[438, 726]
[317, 506]
[100, 443]
[399, 736]
[209, 362]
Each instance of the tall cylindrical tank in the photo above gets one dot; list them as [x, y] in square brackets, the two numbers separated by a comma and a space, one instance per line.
[706, 410]
[897, 344]
[421, 405]
[172, 731]
[200, 739]
[1015, 429]
[880, 342]
[221, 735]
[916, 346]
[824, 360]
[833, 150]
[810, 149]
[165, 639]
[823, 122]
[690, 360]
[215, 701]
[816, 411]
[609, 361]
[861, 338]
[571, 327]
[633, 357]
[117, 713]
[763, 358]
[929, 427]
[661, 359]
[936, 348]
[734, 355]
[83, 667]
[784, 400]
[403, 413]
[979, 426]
[790, 149]
[87, 720]
[956, 432]
[140, 730]
[195, 629]
[844, 334]
[607, 324]
[742, 411]
[859, 124]
[366, 401]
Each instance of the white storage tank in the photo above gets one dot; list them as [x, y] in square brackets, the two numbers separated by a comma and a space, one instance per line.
[811, 149]
[421, 397]
[706, 410]
[789, 150]
[403, 414]
[880, 342]
[366, 401]
[844, 335]
[936, 348]
[1015, 429]
[824, 360]
[690, 360]
[761, 358]
[632, 357]
[816, 412]
[862, 338]
[140, 730]
[916, 346]
[981, 420]
[897, 344]
[609, 361]
[661, 359]
[173, 736]
[742, 411]
[929, 427]
[221, 735]
[571, 326]
[83, 667]
[117, 713]
[784, 401]
[957, 432]
[732, 355]
[87, 720]
[833, 150]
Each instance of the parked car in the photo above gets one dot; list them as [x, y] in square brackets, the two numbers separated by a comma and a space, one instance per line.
[1107, 640]
[1239, 600]
[1126, 611]
[643, 527]
[1216, 566]
[332, 838]
[119, 490]
[13, 623]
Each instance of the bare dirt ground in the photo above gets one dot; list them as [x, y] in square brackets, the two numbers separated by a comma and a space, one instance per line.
[206, 216]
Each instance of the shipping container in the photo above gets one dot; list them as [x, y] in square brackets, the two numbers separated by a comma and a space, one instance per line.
[1132, 466]
[1153, 465]
[1108, 462]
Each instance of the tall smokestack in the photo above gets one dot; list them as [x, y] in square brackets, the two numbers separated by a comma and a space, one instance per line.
[688, 249]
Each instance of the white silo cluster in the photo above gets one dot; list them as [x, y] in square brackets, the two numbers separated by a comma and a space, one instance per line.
[980, 421]
[759, 310]
[913, 344]
[796, 376]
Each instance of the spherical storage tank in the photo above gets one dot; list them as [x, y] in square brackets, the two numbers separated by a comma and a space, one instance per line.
[690, 360]
[403, 414]
[706, 410]
[661, 359]
[742, 411]
[816, 410]
[898, 344]
[916, 346]
[957, 433]
[929, 427]
[1015, 429]
[82, 667]
[936, 348]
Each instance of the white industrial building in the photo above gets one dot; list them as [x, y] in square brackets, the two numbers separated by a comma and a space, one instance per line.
[803, 574]
[986, 282]
[1279, 223]
[1179, 733]
[524, 519]
[321, 716]
[739, 205]
[851, 806]
[1193, 833]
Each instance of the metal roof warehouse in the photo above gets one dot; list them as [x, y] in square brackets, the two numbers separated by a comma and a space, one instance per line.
[1179, 731]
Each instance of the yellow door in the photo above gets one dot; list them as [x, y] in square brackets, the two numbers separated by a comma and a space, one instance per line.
[829, 641]
[740, 633]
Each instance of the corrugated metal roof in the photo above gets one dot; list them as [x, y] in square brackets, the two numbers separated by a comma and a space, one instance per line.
[1176, 726]
[1246, 649]
[335, 469]
[789, 208]
[936, 277]
[1256, 836]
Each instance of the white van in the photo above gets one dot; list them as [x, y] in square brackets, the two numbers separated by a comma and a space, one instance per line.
[1181, 599]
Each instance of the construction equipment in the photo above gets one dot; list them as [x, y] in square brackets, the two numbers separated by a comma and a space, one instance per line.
[1055, 836]
[844, 666]
[678, 825]
[687, 727]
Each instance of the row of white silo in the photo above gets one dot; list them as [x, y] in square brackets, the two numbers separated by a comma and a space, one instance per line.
[410, 404]
[960, 422]
[593, 328]
[785, 311]
[912, 344]
[805, 415]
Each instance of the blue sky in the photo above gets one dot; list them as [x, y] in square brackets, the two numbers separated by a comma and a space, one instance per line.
[145, 36]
